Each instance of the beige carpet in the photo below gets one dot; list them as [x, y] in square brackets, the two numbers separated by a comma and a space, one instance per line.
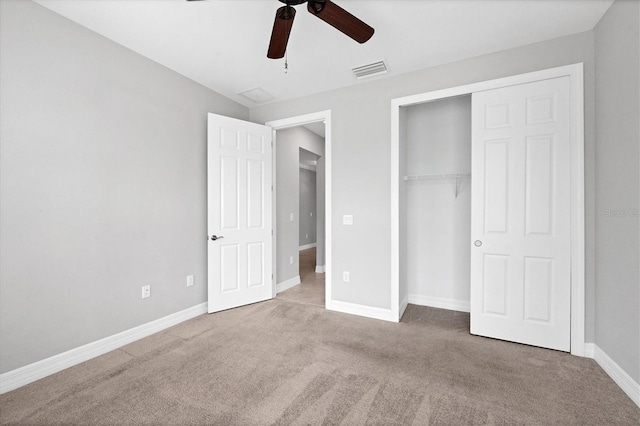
[280, 362]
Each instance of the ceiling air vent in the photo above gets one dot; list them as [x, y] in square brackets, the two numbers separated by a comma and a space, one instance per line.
[370, 70]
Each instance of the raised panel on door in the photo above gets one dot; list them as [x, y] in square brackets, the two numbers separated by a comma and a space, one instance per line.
[229, 268]
[495, 279]
[255, 194]
[520, 252]
[538, 282]
[229, 193]
[255, 143]
[496, 185]
[539, 185]
[255, 264]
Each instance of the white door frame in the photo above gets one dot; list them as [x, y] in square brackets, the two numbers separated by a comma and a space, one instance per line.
[294, 122]
[575, 74]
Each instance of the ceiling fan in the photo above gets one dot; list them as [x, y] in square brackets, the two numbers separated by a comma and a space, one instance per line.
[326, 10]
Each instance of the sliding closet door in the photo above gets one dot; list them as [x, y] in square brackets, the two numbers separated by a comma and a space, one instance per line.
[520, 246]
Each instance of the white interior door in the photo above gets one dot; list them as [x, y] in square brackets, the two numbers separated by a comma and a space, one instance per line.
[520, 227]
[239, 213]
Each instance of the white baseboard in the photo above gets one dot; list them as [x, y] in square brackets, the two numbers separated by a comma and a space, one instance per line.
[320, 269]
[589, 349]
[439, 302]
[307, 246]
[362, 310]
[403, 306]
[30, 373]
[286, 285]
[622, 379]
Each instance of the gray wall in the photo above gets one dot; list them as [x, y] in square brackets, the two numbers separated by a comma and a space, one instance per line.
[437, 139]
[308, 214]
[102, 186]
[288, 144]
[361, 167]
[618, 185]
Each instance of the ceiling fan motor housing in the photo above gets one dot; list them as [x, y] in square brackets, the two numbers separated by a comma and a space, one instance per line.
[293, 2]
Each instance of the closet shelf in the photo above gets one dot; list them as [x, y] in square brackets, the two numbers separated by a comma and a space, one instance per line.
[433, 176]
[437, 176]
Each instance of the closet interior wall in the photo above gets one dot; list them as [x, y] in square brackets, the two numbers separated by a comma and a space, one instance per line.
[435, 212]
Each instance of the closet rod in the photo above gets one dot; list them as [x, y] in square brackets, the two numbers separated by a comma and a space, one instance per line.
[438, 176]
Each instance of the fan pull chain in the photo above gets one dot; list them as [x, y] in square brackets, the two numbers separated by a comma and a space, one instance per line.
[286, 63]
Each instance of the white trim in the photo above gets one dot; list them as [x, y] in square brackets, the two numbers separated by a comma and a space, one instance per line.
[440, 302]
[299, 121]
[395, 209]
[320, 269]
[307, 246]
[577, 212]
[30, 373]
[362, 310]
[286, 285]
[589, 349]
[310, 168]
[622, 379]
[403, 305]
[575, 73]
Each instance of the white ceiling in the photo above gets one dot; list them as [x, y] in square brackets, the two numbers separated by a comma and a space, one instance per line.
[222, 44]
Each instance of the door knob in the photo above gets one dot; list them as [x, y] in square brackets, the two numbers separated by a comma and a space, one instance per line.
[214, 237]
[477, 243]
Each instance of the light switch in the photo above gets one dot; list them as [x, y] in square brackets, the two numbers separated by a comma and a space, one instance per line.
[347, 219]
[290, 217]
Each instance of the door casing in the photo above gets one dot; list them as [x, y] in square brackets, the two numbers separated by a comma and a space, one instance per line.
[575, 74]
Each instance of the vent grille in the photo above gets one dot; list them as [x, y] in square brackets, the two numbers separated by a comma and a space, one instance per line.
[370, 70]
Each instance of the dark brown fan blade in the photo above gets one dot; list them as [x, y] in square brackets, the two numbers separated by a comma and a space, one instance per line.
[342, 20]
[281, 30]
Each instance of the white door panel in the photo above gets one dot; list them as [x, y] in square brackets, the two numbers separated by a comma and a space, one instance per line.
[520, 283]
[239, 213]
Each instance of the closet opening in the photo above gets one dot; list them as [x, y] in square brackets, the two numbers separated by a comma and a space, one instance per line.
[435, 203]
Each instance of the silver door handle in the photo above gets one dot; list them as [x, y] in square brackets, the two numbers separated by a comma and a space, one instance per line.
[477, 243]
[213, 237]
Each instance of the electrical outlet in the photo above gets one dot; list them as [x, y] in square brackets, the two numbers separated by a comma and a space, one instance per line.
[146, 291]
[189, 280]
[310, 213]
[306, 236]
[345, 276]
[290, 260]
[347, 219]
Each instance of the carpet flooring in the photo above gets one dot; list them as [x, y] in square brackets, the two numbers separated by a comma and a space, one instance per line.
[285, 363]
